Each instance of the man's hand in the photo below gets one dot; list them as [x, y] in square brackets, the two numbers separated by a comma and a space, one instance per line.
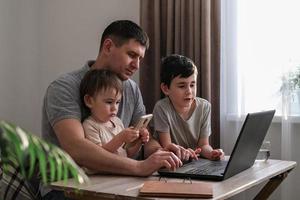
[158, 160]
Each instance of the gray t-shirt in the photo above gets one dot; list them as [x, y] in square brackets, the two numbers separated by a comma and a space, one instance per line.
[62, 101]
[183, 132]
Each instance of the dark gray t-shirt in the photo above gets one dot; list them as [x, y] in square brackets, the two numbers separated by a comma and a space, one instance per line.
[62, 101]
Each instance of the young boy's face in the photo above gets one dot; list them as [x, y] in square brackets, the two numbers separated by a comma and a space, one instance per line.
[182, 91]
[104, 105]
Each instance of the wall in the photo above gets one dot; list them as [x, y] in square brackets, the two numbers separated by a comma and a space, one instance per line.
[41, 39]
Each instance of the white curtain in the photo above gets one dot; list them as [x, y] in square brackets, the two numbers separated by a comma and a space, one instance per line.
[289, 140]
[247, 76]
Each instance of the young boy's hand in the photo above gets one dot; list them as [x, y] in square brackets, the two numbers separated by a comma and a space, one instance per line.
[144, 135]
[129, 135]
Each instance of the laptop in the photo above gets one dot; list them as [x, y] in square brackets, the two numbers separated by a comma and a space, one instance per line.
[243, 155]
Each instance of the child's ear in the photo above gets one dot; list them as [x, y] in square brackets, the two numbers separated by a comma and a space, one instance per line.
[164, 88]
[88, 100]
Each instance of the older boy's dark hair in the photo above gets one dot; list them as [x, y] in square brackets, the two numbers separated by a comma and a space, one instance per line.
[176, 65]
[123, 30]
[97, 80]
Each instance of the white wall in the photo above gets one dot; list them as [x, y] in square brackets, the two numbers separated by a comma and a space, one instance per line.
[40, 39]
[19, 80]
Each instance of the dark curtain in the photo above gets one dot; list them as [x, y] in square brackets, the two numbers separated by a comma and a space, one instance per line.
[190, 28]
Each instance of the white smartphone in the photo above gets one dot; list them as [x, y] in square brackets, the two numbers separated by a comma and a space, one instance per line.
[142, 123]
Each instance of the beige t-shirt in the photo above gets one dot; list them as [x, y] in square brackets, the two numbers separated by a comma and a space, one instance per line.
[183, 132]
[101, 134]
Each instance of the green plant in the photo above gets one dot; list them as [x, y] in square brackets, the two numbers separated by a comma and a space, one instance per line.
[291, 81]
[21, 148]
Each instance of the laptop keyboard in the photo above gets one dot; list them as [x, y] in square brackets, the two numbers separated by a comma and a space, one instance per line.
[208, 168]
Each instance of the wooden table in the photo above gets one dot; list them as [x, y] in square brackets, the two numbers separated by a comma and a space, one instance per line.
[127, 187]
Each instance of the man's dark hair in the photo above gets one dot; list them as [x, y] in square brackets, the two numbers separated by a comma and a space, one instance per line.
[123, 30]
[176, 65]
[98, 80]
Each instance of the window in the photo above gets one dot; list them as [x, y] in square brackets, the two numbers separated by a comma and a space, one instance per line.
[261, 43]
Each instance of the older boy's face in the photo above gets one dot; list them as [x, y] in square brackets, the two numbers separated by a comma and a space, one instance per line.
[182, 91]
[125, 60]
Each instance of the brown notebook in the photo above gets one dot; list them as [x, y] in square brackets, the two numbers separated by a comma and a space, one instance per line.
[174, 189]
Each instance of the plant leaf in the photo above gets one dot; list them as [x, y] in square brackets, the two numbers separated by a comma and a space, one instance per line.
[21, 148]
[14, 148]
[41, 156]
[32, 157]
[52, 168]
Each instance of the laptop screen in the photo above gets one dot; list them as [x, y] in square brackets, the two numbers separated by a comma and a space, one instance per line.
[248, 143]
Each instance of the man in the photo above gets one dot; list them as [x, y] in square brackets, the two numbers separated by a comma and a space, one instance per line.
[123, 45]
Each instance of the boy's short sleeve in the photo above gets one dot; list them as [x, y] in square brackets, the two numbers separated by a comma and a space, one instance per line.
[206, 120]
[160, 119]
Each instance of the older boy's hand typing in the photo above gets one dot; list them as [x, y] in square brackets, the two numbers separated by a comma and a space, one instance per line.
[217, 154]
[182, 153]
[212, 154]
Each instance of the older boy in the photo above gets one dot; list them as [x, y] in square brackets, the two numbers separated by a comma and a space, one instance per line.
[181, 119]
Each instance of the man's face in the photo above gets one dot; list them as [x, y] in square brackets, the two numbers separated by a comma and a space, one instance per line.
[125, 60]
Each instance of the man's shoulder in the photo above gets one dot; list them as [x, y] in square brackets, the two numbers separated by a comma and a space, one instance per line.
[72, 76]
[129, 83]
[71, 79]
[130, 88]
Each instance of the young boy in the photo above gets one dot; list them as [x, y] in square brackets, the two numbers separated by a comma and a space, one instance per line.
[101, 92]
[181, 119]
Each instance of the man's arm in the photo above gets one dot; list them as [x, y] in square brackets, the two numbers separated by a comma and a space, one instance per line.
[151, 146]
[71, 138]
